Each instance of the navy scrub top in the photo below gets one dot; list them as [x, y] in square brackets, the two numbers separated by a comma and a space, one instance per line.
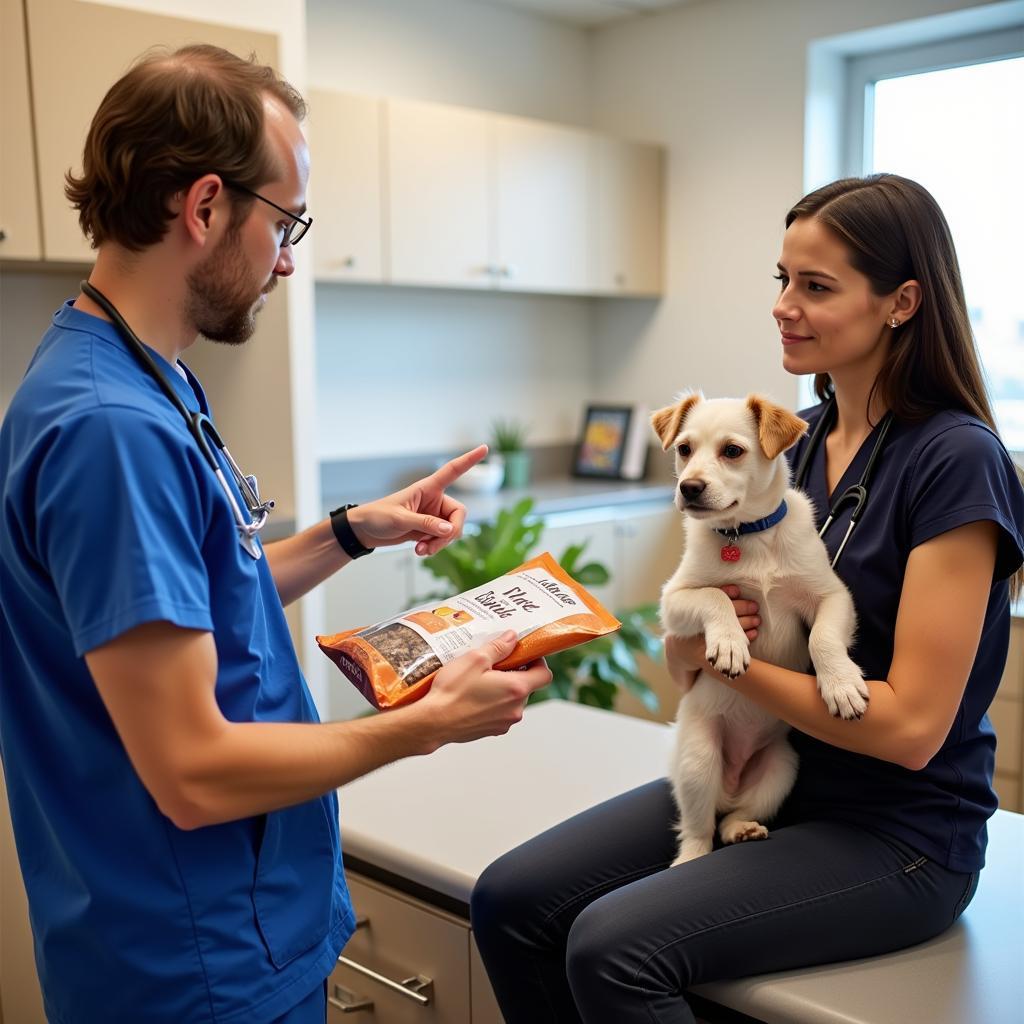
[111, 518]
[931, 477]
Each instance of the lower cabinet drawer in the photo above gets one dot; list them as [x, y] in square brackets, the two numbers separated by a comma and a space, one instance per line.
[407, 964]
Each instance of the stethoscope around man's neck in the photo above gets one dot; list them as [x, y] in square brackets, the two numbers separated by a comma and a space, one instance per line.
[200, 427]
[856, 494]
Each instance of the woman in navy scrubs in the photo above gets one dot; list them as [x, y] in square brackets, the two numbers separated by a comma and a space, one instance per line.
[880, 843]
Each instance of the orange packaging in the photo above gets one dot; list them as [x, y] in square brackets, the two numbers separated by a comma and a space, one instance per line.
[394, 662]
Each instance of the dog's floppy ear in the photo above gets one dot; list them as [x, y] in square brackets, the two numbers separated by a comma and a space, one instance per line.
[667, 421]
[777, 428]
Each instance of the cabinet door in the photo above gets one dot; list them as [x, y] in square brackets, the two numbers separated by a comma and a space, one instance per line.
[402, 941]
[366, 591]
[345, 187]
[628, 217]
[438, 207]
[542, 193]
[19, 200]
[78, 50]
[485, 1006]
[598, 532]
[648, 546]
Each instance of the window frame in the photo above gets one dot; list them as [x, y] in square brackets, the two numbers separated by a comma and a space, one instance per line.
[863, 71]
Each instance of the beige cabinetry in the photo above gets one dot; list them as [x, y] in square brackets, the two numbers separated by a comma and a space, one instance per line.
[597, 531]
[627, 217]
[470, 199]
[77, 50]
[543, 179]
[439, 208]
[345, 190]
[1007, 717]
[19, 198]
[406, 962]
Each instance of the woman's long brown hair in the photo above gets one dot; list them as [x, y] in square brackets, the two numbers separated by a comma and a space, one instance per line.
[895, 231]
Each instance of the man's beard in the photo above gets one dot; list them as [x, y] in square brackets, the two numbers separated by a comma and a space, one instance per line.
[222, 293]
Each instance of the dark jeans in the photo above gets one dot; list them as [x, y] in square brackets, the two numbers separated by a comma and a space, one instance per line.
[588, 923]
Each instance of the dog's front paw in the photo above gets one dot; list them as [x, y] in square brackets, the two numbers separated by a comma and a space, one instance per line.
[843, 690]
[728, 653]
[742, 831]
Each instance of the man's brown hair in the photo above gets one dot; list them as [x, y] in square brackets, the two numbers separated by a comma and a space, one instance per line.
[171, 119]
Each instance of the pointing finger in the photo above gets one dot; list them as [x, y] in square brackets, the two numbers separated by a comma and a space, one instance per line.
[453, 469]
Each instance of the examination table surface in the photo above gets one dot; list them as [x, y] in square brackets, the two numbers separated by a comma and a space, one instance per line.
[431, 825]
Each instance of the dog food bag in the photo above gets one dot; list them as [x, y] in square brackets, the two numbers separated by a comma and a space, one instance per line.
[394, 662]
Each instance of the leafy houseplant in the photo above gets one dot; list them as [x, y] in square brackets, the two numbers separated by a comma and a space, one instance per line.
[509, 442]
[591, 673]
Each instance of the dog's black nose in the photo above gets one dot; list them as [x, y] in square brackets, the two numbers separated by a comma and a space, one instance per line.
[691, 489]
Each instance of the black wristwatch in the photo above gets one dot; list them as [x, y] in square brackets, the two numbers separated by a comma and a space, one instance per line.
[345, 535]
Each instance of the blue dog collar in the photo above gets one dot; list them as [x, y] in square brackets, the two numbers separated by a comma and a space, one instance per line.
[756, 527]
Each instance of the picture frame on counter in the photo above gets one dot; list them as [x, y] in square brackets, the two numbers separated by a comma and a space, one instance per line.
[612, 443]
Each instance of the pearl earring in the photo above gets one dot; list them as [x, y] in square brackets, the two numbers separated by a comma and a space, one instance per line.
[894, 323]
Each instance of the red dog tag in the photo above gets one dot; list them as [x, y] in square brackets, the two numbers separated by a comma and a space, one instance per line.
[730, 553]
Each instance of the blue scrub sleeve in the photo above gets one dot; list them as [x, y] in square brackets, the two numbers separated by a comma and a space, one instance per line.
[121, 517]
[965, 475]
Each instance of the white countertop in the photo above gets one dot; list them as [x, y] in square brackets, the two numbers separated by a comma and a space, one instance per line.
[439, 821]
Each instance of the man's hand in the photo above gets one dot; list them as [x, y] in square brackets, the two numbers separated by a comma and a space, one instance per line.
[684, 656]
[469, 698]
[421, 512]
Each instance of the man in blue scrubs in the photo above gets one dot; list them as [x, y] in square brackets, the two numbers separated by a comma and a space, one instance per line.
[171, 788]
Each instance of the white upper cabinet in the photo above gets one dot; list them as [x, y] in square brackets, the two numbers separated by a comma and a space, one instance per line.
[19, 201]
[345, 188]
[78, 50]
[542, 184]
[439, 199]
[628, 217]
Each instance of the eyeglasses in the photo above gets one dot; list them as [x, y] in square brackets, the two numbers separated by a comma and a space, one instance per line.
[294, 231]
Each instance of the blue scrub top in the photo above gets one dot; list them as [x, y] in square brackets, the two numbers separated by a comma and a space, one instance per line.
[931, 477]
[112, 518]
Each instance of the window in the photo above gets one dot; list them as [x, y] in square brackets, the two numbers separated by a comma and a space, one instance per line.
[949, 116]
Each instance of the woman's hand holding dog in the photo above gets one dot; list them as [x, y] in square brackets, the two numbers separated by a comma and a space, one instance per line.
[685, 657]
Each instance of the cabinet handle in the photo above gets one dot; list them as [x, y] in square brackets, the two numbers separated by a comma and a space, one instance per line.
[347, 1002]
[3, 234]
[416, 988]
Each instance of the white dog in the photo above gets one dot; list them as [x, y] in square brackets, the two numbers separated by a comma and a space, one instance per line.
[745, 525]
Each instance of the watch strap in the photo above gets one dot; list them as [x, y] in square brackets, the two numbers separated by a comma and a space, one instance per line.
[345, 535]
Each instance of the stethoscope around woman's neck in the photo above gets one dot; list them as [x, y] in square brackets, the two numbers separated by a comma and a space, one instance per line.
[201, 428]
[856, 494]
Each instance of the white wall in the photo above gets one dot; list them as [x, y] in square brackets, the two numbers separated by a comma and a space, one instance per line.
[451, 51]
[408, 370]
[405, 370]
[722, 85]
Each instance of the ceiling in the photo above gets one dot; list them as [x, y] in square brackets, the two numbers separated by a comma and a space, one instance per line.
[586, 13]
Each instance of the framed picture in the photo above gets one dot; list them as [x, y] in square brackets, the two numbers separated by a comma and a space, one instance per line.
[612, 442]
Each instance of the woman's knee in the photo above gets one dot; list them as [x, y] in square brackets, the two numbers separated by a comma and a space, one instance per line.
[503, 894]
[601, 951]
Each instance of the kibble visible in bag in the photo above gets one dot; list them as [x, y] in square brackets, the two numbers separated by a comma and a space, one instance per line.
[394, 662]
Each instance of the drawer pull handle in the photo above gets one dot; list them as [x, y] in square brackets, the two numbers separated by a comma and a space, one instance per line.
[347, 1002]
[417, 988]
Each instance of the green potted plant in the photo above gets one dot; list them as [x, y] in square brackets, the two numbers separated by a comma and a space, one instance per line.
[509, 444]
[592, 673]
